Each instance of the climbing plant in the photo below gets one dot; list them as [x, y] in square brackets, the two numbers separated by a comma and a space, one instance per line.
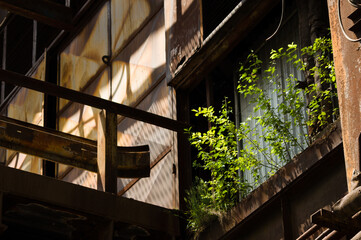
[217, 147]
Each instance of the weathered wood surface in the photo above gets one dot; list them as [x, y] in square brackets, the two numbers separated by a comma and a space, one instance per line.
[86, 99]
[74, 198]
[69, 149]
[107, 150]
[44, 11]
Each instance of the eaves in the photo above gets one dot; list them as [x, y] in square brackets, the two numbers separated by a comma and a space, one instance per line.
[235, 27]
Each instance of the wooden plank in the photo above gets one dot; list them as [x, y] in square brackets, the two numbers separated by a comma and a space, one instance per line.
[35, 188]
[86, 99]
[44, 11]
[107, 144]
[332, 221]
[68, 149]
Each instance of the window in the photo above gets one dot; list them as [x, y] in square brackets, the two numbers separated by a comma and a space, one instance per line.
[284, 69]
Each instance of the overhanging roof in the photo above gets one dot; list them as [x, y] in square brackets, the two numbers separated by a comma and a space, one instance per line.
[235, 27]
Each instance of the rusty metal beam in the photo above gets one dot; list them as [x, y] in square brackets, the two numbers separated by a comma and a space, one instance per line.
[332, 221]
[86, 99]
[221, 41]
[68, 149]
[44, 11]
[35, 188]
[347, 68]
[309, 232]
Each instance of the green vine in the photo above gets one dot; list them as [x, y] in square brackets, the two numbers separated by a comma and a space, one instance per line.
[217, 147]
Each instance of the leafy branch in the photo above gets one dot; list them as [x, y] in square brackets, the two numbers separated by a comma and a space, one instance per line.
[268, 123]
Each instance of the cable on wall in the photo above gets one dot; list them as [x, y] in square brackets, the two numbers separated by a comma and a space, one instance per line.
[280, 23]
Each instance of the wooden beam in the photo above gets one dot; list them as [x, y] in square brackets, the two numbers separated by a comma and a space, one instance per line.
[86, 99]
[68, 149]
[107, 147]
[47, 12]
[2, 226]
[31, 188]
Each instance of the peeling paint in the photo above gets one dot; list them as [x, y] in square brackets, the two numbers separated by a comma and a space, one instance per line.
[347, 65]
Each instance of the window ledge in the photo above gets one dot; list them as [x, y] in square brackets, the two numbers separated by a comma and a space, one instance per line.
[327, 141]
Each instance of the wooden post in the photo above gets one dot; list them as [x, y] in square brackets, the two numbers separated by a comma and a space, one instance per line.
[286, 218]
[2, 226]
[1, 208]
[106, 230]
[107, 148]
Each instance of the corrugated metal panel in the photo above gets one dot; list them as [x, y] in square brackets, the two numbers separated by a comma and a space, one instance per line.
[138, 67]
[131, 133]
[28, 106]
[138, 79]
[82, 177]
[140, 64]
[128, 16]
[159, 188]
[82, 59]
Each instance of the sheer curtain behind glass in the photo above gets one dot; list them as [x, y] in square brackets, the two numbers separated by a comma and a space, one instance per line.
[287, 34]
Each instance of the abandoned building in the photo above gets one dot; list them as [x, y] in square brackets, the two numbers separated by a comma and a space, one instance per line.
[96, 94]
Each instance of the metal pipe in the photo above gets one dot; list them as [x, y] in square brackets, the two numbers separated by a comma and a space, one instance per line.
[309, 232]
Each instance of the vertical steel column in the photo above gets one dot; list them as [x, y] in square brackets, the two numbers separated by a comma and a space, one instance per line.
[286, 218]
[347, 59]
[2, 226]
[49, 168]
[110, 72]
[184, 150]
[5, 32]
[209, 95]
[35, 39]
[237, 117]
[3, 152]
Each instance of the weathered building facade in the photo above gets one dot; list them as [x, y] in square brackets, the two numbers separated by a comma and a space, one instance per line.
[96, 95]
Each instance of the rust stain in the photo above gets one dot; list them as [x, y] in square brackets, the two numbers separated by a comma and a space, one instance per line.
[82, 59]
[184, 31]
[347, 63]
[128, 16]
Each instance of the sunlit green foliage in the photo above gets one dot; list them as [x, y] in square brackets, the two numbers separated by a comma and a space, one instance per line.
[217, 147]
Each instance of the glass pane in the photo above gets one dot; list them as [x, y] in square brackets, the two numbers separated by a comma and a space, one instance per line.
[283, 70]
